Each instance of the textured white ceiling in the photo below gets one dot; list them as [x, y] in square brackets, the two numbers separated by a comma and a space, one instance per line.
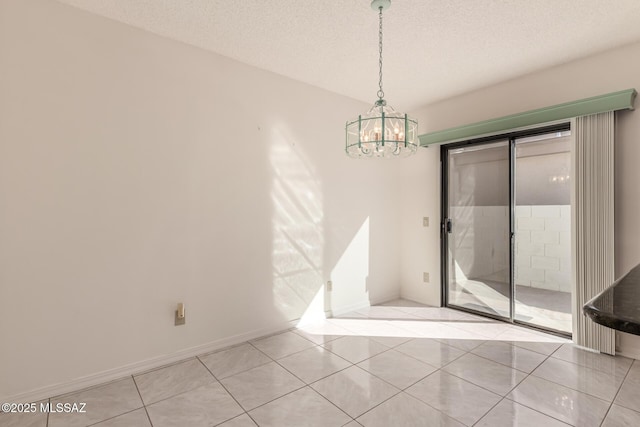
[433, 49]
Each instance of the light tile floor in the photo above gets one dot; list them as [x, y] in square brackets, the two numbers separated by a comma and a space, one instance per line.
[398, 364]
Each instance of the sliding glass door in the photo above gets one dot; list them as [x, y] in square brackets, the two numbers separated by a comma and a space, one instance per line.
[506, 227]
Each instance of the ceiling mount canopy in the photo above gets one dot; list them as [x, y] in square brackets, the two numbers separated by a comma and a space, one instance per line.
[381, 131]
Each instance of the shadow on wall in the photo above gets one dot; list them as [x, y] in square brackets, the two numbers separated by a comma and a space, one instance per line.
[299, 259]
[298, 238]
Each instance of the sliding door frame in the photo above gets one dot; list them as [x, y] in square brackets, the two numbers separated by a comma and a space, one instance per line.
[444, 216]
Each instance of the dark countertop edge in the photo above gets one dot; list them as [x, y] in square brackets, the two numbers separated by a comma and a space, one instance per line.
[611, 320]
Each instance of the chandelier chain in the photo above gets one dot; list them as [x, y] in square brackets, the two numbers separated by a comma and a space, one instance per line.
[380, 91]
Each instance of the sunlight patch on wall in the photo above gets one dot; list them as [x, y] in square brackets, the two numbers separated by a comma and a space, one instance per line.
[298, 238]
[349, 276]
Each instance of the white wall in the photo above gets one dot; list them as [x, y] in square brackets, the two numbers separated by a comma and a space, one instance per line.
[608, 72]
[420, 197]
[137, 172]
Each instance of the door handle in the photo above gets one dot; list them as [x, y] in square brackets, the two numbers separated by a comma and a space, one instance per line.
[448, 226]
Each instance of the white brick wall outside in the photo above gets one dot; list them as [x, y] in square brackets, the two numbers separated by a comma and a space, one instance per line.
[529, 248]
[557, 224]
[545, 262]
[522, 261]
[547, 250]
[545, 211]
[530, 223]
[552, 237]
[531, 273]
[524, 236]
[557, 251]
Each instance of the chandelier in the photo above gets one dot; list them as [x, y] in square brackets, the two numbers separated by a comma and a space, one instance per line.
[381, 131]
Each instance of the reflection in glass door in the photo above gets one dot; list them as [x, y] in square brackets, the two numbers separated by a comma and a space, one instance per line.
[477, 227]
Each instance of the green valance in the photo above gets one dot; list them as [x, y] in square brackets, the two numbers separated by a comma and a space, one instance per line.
[622, 100]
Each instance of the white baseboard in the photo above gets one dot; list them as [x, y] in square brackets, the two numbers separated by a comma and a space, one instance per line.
[156, 362]
[385, 298]
[141, 366]
[363, 304]
[627, 345]
[418, 297]
[339, 311]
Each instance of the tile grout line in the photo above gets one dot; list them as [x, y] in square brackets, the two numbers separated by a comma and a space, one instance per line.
[141, 400]
[375, 406]
[601, 371]
[538, 411]
[331, 403]
[528, 374]
[286, 355]
[534, 409]
[443, 371]
[301, 332]
[228, 392]
[159, 368]
[92, 387]
[617, 393]
[177, 394]
[404, 390]
[511, 390]
[263, 404]
[352, 365]
[237, 416]
[239, 372]
[319, 379]
[476, 385]
[427, 403]
[220, 350]
[482, 387]
[490, 409]
[435, 340]
[115, 416]
[572, 388]
[509, 366]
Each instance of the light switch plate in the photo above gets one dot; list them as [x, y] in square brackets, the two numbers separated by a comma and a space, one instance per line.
[425, 221]
[425, 277]
[329, 286]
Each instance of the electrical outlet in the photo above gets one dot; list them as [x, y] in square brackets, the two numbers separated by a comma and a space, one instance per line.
[180, 317]
[425, 277]
[425, 221]
[329, 286]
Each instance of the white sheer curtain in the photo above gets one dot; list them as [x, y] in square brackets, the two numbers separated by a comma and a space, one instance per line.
[593, 223]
